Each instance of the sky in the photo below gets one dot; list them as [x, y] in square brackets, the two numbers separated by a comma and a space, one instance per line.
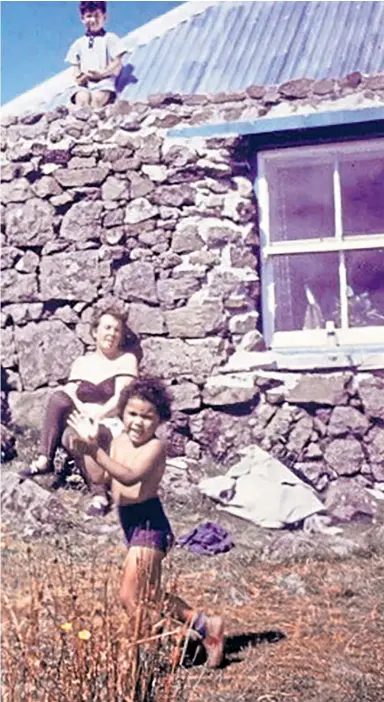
[35, 36]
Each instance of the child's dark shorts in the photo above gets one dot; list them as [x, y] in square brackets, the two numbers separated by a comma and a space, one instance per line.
[146, 524]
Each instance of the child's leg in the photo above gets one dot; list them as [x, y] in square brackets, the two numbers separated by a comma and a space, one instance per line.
[82, 98]
[142, 580]
[100, 98]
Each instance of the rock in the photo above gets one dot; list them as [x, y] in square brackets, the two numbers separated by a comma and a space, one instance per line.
[186, 396]
[186, 238]
[46, 186]
[22, 313]
[114, 189]
[144, 319]
[46, 351]
[136, 281]
[346, 500]
[171, 290]
[300, 435]
[298, 88]
[82, 222]
[347, 420]
[140, 210]
[371, 391]
[70, 276]
[279, 426]
[82, 162]
[252, 341]
[222, 390]
[29, 502]
[78, 177]
[28, 263]
[18, 190]
[158, 174]
[114, 219]
[244, 323]
[218, 232]
[312, 451]
[28, 408]
[174, 195]
[344, 456]
[8, 350]
[195, 320]
[149, 151]
[19, 287]
[140, 186]
[220, 434]
[321, 389]
[189, 360]
[9, 254]
[375, 449]
[293, 584]
[30, 223]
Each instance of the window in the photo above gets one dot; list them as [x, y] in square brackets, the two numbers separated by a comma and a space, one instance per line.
[322, 235]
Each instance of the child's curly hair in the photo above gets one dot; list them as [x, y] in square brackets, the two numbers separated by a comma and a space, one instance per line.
[92, 7]
[151, 390]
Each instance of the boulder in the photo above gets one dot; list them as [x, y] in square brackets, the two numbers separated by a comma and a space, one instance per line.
[347, 420]
[30, 223]
[229, 389]
[197, 319]
[18, 287]
[70, 276]
[82, 221]
[344, 456]
[346, 500]
[321, 389]
[371, 391]
[28, 408]
[136, 281]
[144, 319]
[46, 351]
[190, 360]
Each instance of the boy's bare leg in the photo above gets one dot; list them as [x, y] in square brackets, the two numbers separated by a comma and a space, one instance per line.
[100, 98]
[82, 98]
[142, 580]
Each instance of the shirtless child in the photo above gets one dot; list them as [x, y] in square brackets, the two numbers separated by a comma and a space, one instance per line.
[136, 465]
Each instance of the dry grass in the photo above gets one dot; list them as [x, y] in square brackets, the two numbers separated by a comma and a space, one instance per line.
[66, 637]
[304, 632]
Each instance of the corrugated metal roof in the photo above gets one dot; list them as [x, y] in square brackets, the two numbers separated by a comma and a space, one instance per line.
[232, 45]
[212, 47]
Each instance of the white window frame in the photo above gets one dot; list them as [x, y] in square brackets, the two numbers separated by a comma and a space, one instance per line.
[344, 337]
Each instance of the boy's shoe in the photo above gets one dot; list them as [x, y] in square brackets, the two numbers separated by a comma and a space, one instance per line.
[98, 507]
[213, 641]
[34, 470]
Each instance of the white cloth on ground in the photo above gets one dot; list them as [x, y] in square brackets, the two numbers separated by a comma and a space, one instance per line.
[261, 489]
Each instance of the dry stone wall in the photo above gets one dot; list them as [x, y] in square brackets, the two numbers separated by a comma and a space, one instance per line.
[100, 207]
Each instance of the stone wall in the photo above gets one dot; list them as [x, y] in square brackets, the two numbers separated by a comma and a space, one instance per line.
[105, 206]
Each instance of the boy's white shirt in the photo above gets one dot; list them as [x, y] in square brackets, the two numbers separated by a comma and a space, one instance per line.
[104, 50]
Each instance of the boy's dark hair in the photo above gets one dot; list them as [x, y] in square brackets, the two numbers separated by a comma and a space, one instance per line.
[130, 340]
[152, 390]
[92, 7]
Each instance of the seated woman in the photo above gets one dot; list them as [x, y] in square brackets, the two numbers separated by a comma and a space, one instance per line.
[94, 387]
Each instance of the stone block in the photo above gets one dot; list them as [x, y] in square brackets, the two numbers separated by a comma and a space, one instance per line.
[18, 287]
[136, 281]
[222, 390]
[28, 408]
[70, 276]
[347, 420]
[144, 319]
[29, 223]
[114, 189]
[189, 360]
[46, 351]
[79, 177]
[345, 456]
[186, 396]
[195, 319]
[371, 392]
[18, 190]
[346, 500]
[321, 389]
[82, 221]
[140, 210]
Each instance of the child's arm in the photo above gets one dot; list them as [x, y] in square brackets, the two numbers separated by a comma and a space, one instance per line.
[113, 69]
[139, 468]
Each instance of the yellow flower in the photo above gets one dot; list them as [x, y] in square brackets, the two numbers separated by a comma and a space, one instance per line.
[84, 635]
[66, 627]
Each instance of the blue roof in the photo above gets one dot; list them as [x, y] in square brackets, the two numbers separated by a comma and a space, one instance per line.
[214, 47]
[231, 45]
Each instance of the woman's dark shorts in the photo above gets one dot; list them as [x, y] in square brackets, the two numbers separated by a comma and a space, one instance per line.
[146, 524]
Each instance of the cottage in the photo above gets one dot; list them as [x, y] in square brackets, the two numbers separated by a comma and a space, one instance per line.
[233, 199]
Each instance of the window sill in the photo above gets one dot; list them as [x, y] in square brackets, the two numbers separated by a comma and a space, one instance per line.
[305, 359]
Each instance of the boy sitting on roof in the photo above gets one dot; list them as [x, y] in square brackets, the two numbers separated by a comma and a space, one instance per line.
[96, 58]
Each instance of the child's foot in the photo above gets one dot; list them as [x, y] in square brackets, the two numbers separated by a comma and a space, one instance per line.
[98, 507]
[213, 641]
[38, 467]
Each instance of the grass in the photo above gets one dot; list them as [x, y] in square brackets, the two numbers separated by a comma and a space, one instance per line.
[309, 631]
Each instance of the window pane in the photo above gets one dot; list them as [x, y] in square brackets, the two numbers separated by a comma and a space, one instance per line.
[365, 276]
[362, 193]
[301, 199]
[306, 291]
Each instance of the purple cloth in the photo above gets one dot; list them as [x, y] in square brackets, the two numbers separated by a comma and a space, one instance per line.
[208, 539]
